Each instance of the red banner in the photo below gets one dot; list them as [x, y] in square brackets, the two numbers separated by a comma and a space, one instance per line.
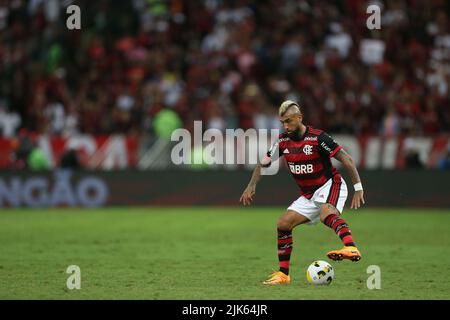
[99, 152]
[121, 152]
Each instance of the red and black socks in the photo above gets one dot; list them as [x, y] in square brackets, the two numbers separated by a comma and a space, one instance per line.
[341, 228]
[284, 249]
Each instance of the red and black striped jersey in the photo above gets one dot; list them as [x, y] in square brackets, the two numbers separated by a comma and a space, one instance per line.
[308, 158]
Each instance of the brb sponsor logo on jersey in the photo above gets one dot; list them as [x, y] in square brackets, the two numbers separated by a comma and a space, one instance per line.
[301, 168]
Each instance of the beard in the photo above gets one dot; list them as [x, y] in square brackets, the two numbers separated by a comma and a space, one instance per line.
[294, 135]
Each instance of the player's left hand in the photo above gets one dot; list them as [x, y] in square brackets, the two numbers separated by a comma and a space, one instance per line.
[358, 199]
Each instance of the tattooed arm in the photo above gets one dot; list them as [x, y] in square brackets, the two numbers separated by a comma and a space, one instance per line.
[249, 192]
[347, 162]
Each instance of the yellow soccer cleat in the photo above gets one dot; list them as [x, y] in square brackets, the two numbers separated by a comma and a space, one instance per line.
[350, 253]
[278, 277]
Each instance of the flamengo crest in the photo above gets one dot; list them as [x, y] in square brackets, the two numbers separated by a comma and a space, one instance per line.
[307, 149]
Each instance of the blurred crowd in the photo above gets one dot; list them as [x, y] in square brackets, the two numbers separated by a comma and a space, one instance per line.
[228, 63]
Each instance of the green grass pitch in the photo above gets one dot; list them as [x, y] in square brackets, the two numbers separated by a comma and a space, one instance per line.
[215, 253]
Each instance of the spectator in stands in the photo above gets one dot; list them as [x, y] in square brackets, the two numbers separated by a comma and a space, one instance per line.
[412, 156]
[9, 121]
[165, 122]
[391, 124]
[204, 60]
[37, 160]
[412, 160]
[444, 162]
[70, 160]
[23, 148]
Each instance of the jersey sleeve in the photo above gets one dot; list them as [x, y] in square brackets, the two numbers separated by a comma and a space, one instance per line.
[273, 154]
[327, 145]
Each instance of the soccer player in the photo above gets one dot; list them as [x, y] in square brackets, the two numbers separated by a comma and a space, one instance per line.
[308, 153]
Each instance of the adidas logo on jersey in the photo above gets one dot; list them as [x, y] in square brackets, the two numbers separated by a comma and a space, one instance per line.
[286, 151]
[311, 138]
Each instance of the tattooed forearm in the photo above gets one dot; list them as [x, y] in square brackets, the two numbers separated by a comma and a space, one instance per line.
[348, 163]
[256, 176]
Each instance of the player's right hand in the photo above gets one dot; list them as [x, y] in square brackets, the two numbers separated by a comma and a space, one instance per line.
[247, 196]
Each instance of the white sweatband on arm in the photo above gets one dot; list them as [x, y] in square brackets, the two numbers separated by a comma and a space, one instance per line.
[358, 186]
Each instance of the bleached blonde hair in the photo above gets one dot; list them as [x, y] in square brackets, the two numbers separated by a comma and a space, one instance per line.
[286, 105]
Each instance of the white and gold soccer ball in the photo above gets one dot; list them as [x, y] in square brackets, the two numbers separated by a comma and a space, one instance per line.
[320, 273]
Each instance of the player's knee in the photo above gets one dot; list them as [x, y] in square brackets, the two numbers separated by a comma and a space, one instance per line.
[326, 210]
[323, 217]
[284, 223]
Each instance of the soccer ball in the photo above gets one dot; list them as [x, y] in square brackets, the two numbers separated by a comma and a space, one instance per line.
[320, 272]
